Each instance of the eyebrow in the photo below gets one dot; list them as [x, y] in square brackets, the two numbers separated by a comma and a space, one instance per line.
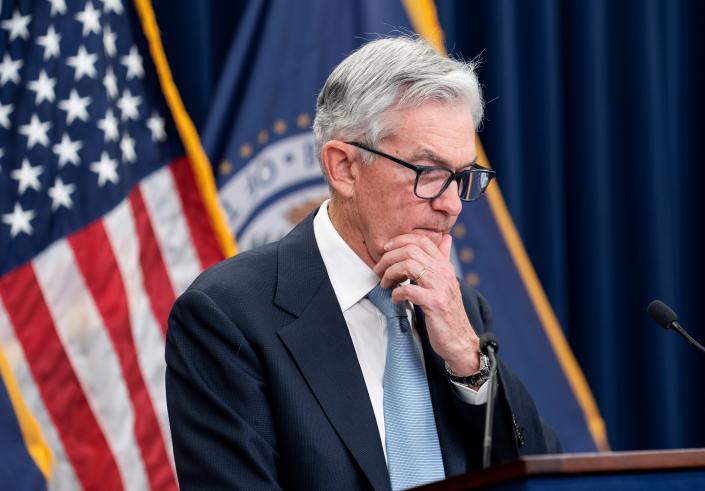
[426, 154]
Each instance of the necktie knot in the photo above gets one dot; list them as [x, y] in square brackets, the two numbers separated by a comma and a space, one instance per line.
[382, 299]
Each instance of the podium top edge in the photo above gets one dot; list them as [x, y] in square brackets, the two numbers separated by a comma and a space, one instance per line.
[642, 461]
[614, 461]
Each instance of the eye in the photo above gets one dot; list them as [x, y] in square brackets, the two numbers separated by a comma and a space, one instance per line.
[431, 181]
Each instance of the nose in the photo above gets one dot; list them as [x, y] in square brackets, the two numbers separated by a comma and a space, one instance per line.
[449, 201]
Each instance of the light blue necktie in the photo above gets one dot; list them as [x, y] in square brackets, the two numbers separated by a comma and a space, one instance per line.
[413, 452]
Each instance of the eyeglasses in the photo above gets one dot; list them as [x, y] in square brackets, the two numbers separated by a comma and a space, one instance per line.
[432, 181]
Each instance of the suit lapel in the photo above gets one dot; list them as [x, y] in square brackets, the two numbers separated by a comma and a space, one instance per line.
[320, 344]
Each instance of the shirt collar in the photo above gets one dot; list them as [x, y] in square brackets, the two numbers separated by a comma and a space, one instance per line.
[351, 278]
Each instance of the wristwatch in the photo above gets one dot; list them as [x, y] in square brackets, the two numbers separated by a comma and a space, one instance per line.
[476, 379]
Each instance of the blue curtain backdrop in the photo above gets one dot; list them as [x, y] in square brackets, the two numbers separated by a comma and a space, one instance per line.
[594, 124]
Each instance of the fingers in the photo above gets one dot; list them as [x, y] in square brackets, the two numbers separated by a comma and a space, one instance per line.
[446, 245]
[413, 293]
[413, 246]
[421, 241]
[406, 253]
[411, 255]
[401, 271]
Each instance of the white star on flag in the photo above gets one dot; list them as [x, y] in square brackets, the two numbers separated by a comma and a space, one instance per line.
[60, 194]
[27, 176]
[10, 70]
[75, 107]
[110, 83]
[133, 63]
[106, 168]
[155, 123]
[90, 18]
[17, 26]
[36, 132]
[128, 105]
[112, 5]
[5, 110]
[109, 38]
[43, 87]
[58, 6]
[19, 221]
[127, 147]
[109, 125]
[67, 151]
[83, 63]
[50, 43]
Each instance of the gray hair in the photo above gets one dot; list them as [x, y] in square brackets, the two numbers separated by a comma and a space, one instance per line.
[384, 75]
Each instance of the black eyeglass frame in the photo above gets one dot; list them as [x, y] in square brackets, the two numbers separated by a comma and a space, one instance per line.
[452, 175]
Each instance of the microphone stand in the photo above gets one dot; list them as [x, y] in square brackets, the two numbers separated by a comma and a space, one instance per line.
[489, 346]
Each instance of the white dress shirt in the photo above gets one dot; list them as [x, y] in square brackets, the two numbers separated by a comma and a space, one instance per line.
[352, 280]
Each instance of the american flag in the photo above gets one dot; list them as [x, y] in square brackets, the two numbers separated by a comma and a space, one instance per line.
[101, 227]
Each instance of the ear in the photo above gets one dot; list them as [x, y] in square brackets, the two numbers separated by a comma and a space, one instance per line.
[341, 166]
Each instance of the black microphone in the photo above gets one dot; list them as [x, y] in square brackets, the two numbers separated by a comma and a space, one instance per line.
[489, 346]
[667, 318]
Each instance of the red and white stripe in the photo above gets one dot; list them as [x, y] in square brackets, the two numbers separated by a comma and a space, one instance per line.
[83, 327]
[146, 330]
[171, 228]
[63, 476]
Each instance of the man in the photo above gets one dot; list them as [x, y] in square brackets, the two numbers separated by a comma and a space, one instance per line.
[314, 362]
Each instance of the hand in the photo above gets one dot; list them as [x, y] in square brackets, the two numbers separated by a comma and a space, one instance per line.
[436, 292]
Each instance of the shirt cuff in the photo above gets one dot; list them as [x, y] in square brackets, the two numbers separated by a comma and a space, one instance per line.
[471, 396]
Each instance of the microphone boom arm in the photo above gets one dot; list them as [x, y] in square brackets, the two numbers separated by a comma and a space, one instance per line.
[679, 329]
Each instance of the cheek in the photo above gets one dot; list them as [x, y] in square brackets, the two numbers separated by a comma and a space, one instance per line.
[394, 216]
[380, 218]
[387, 209]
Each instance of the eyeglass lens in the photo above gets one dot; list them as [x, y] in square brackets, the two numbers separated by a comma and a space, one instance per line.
[432, 182]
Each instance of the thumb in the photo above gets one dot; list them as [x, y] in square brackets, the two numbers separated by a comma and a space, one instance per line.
[446, 245]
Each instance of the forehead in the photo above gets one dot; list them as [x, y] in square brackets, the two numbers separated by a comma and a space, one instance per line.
[443, 130]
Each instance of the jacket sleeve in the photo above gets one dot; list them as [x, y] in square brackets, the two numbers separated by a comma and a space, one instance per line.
[220, 418]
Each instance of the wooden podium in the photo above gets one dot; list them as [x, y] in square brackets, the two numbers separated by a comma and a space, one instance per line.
[668, 470]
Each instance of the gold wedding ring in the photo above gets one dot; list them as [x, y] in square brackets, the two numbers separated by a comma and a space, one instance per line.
[416, 280]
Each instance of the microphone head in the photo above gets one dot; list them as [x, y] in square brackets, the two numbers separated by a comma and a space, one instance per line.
[662, 314]
[488, 339]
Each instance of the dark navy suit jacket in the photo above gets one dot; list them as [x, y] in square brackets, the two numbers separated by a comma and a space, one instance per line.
[264, 389]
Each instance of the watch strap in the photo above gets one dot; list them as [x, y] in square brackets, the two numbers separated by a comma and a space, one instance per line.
[474, 380]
